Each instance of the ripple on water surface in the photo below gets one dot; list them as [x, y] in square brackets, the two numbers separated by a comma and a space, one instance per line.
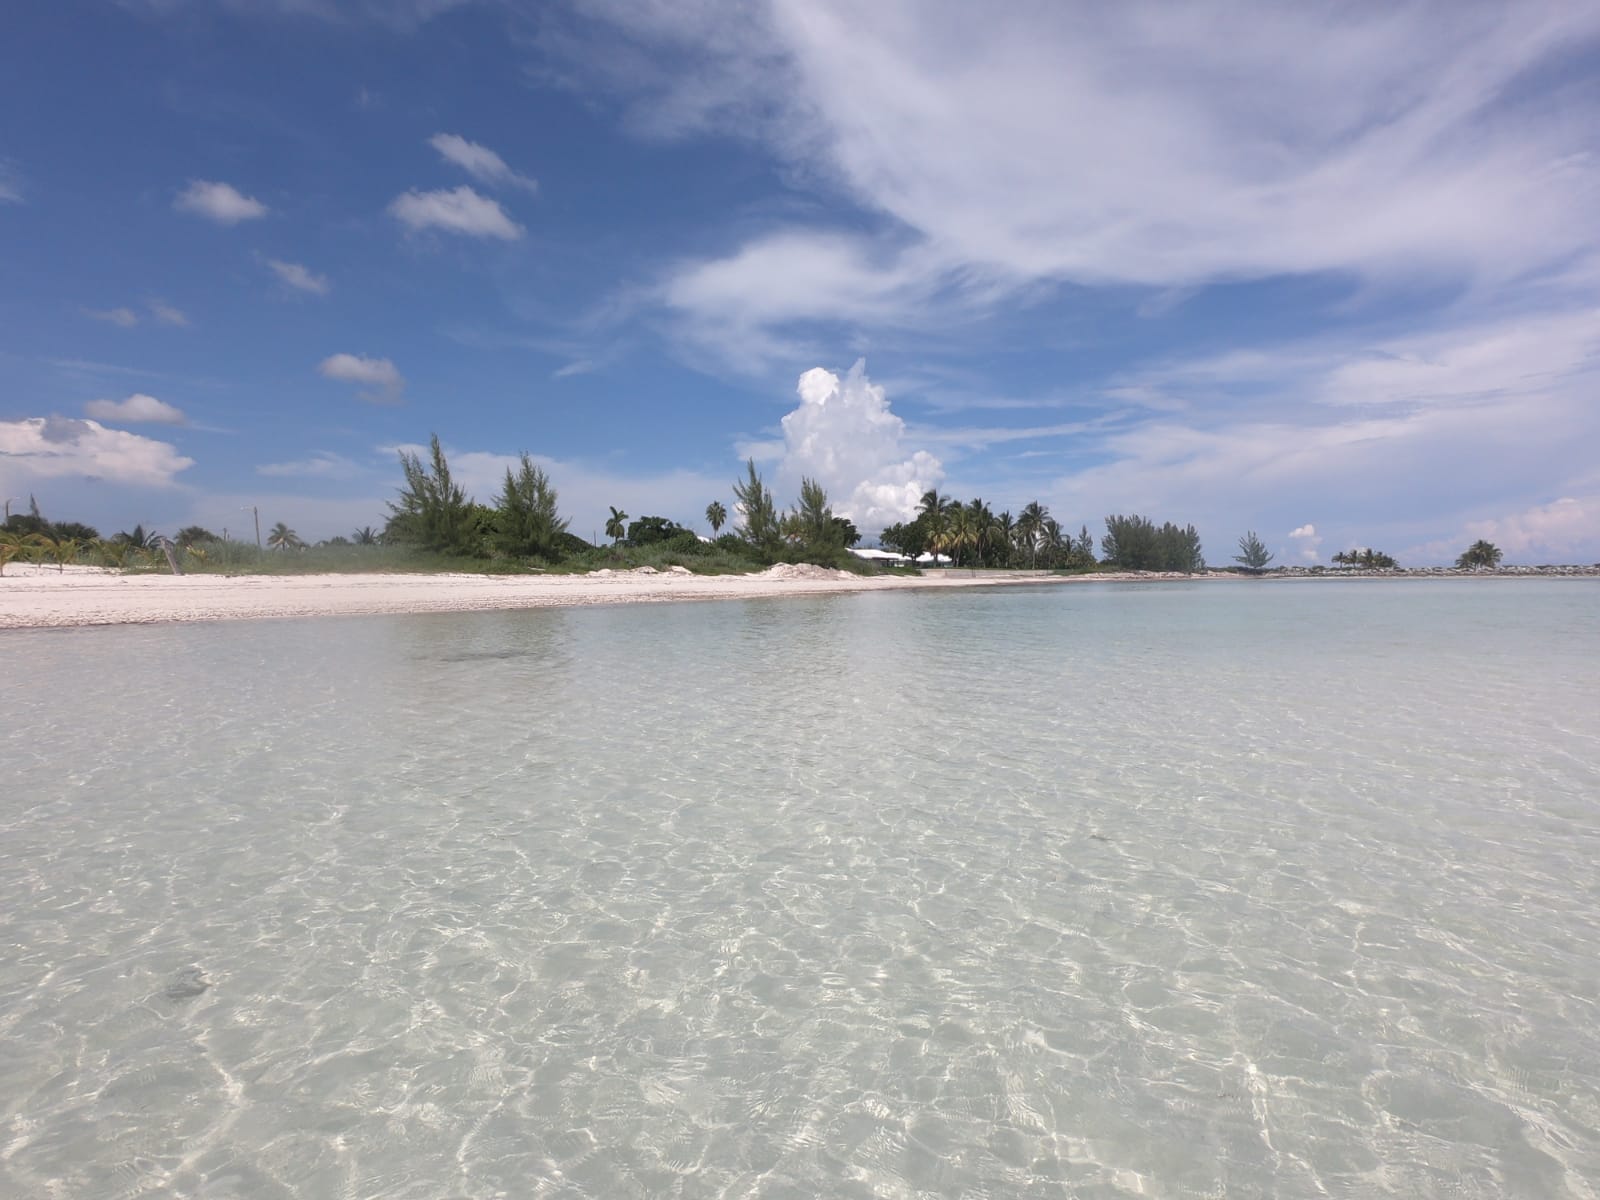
[1154, 891]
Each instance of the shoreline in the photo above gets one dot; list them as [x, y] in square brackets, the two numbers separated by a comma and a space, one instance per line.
[33, 597]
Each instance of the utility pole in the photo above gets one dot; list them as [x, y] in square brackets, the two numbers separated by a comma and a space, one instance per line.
[257, 515]
[9, 499]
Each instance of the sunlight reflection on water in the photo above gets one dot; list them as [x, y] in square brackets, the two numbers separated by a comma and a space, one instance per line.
[1142, 890]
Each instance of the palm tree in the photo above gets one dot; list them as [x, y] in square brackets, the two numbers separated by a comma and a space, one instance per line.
[1480, 554]
[365, 536]
[1004, 533]
[284, 538]
[10, 547]
[1050, 537]
[934, 511]
[716, 516]
[1030, 525]
[616, 527]
[962, 532]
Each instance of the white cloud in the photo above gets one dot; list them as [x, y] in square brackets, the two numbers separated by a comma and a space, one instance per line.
[1429, 452]
[219, 202]
[60, 447]
[844, 436]
[322, 464]
[300, 278]
[137, 409]
[1133, 143]
[1557, 531]
[1309, 541]
[124, 317]
[482, 163]
[460, 210]
[166, 314]
[10, 183]
[382, 382]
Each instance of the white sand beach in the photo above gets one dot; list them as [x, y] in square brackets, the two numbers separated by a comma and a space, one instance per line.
[36, 597]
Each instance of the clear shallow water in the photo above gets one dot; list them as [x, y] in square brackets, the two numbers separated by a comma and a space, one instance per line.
[1171, 890]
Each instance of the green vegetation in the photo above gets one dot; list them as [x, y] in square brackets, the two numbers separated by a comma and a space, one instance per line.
[1137, 544]
[1371, 560]
[284, 538]
[971, 535]
[526, 523]
[1480, 554]
[1253, 555]
[433, 525]
[761, 529]
[433, 512]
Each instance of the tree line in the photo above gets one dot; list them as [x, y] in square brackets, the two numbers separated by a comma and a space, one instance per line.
[973, 535]
[433, 514]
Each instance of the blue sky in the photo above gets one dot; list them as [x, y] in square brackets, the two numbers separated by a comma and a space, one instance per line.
[1327, 272]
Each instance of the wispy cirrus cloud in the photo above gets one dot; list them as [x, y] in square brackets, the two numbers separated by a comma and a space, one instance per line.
[10, 182]
[458, 210]
[300, 278]
[321, 464]
[1127, 145]
[219, 202]
[125, 317]
[380, 380]
[122, 316]
[482, 163]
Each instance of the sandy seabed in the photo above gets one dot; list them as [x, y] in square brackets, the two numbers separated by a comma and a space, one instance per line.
[34, 597]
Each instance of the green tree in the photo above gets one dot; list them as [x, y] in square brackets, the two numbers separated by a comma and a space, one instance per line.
[761, 526]
[433, 511]
[716, 517]
[365, 536]
[284, 538]
[1136, 544]
[617, 525]
[11, 546]
[194, 535]
[1253, 555]
[909, 539]
[648, 531]
[814, 520]
[527, 522]
[138, 538]
[1480, 554]
[1030, 525]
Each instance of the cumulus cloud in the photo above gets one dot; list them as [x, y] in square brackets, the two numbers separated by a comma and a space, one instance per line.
[137, 409]
[844, 436]
[1556, 531]
[219, 202]
[460, 210]
[57, 447]
[124, 317]
[302, 279]
[482, 163]
[1309, 541]
[381, 381]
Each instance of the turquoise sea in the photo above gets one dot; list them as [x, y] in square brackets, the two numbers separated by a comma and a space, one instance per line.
[1166, 890]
